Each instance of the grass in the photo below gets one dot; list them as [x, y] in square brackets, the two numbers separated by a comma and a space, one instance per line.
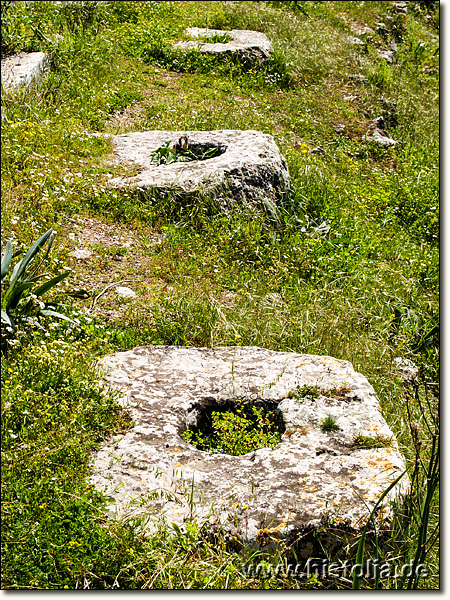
[377, 441]
[349, 267]
[329, 423]
[310, 392]
[215, 38]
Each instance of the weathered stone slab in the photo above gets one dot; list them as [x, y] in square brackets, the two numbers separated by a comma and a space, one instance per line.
[125, 292]
[311, 479]
[249, 168]
[379, 135]
[355, 41]
[252, 46]
[388, 55]
[21, 69]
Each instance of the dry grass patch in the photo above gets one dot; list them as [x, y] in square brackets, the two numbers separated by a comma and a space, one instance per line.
[160, 85]
[118, 256]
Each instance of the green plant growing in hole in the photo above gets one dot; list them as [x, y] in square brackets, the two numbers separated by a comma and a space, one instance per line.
[237, 434]
[21, 299]
[310, 392]
[340, 393]
[169, 153]
[378, 441]
[329, 424]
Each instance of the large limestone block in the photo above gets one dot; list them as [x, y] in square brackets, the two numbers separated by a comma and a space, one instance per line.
[21, 69]
[248, 169]
[251, 46]
[311, 479]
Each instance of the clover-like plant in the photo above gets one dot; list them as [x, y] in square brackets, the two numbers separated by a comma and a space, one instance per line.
[302, 392]
[22, 292]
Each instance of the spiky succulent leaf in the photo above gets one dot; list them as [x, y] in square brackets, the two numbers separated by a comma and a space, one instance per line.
[6, 259]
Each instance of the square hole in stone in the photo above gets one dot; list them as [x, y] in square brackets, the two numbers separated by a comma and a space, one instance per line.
[235, 427]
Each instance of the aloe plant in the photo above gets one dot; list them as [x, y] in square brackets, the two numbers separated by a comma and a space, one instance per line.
[22, 291]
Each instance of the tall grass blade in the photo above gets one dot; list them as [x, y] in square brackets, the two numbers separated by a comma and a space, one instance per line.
[432, 481]
[357, 577]
[49, 246]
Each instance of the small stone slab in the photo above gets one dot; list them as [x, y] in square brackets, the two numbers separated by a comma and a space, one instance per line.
[365, 31]
[81, 253]
[312, 480]
[248, 170]
[388, 55]
[22, 69]
[355, 41]
[125, 292]
[378, 136]
[252, 46]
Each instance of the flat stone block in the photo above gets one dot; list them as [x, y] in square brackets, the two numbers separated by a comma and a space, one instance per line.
[379, 137]
[248, 169]
[249, 45]
[313, 479]
[388, 55]
[125, 292]
[21, 69]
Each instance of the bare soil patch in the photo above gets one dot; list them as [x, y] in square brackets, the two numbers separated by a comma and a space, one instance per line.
[154, 94]
[117, 256]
